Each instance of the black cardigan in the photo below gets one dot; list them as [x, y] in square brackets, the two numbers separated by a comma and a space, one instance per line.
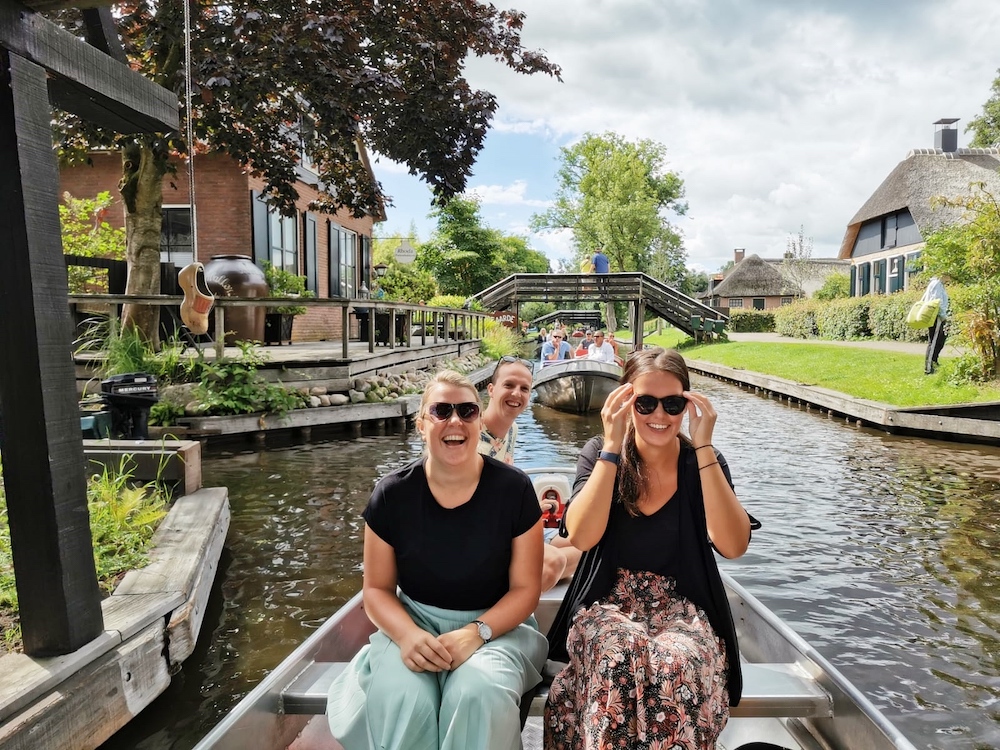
[595, 575]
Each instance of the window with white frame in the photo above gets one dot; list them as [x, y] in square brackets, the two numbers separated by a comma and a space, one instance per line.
[283, 240]
[348, 262]
[307, 140]
[176, 242]
[736, 302]
[786, 301]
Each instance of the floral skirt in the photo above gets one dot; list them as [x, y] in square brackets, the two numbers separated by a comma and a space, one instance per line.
[646, 670]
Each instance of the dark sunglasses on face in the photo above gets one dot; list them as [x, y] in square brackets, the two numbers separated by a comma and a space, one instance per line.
[672, 405]
[510, 358]
[441, 411]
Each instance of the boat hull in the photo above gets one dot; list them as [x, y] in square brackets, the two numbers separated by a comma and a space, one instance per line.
[577, 386]
[831, 714]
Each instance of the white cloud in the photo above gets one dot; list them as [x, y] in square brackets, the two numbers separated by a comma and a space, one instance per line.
[505, 195]
[776, 114]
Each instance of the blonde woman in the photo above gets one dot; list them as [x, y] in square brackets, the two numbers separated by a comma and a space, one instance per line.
[452, 565]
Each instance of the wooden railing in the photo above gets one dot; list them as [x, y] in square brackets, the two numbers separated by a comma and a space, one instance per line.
[444, 322]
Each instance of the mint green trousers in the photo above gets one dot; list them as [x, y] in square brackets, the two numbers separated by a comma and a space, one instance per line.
[378, 703]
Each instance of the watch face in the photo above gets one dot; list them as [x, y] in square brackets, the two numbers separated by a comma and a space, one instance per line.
[485, 631]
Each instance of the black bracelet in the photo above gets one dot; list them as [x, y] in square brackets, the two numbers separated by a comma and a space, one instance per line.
[714, 463]
[706, 445]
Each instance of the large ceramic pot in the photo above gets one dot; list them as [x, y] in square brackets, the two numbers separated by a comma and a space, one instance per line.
[238, 276]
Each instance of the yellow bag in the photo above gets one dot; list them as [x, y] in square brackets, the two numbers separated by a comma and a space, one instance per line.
[923, 313]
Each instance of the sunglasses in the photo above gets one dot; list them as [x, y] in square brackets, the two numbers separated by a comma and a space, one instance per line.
[672, 405]
[510, 359]
[441, 411]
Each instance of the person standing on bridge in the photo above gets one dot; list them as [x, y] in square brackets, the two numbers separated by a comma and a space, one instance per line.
[601, 266]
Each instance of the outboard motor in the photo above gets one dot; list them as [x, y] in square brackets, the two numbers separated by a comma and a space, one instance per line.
[553, 491]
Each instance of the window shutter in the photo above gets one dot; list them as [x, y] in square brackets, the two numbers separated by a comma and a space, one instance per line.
[366, 261]
[261, 229]
[854, 281]
[311, 271]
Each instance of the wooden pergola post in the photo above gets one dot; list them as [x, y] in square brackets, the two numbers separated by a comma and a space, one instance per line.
[42, 443]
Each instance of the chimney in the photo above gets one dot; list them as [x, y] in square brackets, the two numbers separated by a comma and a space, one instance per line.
[738, 254]
[946, 135]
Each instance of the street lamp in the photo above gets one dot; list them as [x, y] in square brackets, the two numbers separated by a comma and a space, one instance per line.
[380, 270]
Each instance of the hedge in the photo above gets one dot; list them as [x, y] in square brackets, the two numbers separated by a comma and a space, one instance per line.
[751, 321]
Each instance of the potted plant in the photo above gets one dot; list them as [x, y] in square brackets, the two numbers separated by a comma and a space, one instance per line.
[278, 320]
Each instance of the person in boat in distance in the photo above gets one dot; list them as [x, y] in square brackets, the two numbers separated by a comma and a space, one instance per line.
[556, 348]
[645, 625]
[509, 391]
[601, 350]
[460, 535]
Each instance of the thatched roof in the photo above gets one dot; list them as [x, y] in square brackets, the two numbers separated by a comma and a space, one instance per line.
[923, 175]
[754, 277]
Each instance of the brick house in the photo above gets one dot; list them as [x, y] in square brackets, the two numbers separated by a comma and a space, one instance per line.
[333, 251]
[884, 238]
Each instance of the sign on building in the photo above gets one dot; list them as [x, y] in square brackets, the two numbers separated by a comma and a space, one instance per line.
[405, 253]
[506, 318]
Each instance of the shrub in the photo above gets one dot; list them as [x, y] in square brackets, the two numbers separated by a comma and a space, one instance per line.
[233, 386]
[283, 283]
[842, 319]
[751, 321]
[887, 317]
[836, 286]
[797, 320]
[498, 340]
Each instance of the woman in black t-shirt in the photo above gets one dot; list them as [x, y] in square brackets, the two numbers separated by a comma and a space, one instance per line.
[460, 535]
[652, 652]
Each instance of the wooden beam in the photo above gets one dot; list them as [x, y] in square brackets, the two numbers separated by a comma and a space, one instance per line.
[102, 33]
[85, 80]
[60, 603]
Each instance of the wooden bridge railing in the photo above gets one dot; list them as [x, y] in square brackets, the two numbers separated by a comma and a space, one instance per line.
[445, 322]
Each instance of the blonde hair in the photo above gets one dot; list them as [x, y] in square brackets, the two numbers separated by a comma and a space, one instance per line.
[446, 377]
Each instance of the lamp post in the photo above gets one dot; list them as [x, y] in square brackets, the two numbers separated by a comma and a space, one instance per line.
[380, 270]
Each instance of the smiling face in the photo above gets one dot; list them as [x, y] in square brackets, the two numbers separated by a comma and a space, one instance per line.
[510, 390]
[452, 441]
[657, 428]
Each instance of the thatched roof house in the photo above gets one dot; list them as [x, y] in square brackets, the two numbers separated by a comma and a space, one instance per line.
[885, 236]
[753, 283]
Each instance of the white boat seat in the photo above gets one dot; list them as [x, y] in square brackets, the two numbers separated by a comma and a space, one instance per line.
[768, 690]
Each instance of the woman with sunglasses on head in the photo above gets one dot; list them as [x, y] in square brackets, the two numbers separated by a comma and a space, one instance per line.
[460, 535]
[651, 646]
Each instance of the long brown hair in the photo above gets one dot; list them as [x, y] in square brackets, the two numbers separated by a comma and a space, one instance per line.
[631, 470]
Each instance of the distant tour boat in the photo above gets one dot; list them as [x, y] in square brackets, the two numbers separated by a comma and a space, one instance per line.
[576, 385]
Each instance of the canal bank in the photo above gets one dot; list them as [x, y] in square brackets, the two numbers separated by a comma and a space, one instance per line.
[969, 422]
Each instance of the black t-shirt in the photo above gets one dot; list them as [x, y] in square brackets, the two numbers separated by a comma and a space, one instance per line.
[454, 558]
[647, 542]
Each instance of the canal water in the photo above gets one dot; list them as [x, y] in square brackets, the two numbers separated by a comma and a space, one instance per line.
[883, 552]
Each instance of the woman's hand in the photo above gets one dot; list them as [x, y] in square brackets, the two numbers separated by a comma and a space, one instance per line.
[461, 644]
[615, 415]
[422, 652]
[701, 417]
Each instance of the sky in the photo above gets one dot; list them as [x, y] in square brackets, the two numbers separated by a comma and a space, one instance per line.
[777, 114]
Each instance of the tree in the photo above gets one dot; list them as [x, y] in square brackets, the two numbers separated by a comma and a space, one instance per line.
[617, 194]
[85, 233]
[987, 125]
[694, 282]
[274, 78]
[795, 265]
[466, 256]
[969, 253]
[836, 286]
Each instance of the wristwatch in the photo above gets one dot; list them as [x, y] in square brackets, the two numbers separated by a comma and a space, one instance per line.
[609, 456]
[485, 631]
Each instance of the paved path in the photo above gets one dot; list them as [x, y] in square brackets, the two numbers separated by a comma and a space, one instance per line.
[909, 347]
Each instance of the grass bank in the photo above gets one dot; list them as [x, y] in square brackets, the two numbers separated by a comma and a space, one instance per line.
[879, 375]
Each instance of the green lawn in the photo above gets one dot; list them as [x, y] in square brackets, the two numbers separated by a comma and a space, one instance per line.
[878, 375]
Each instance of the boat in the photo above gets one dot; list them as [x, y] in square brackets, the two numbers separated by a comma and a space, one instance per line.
[576, 385]
[793, 698]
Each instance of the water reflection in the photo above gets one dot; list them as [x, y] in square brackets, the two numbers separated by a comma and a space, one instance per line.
[883, 552]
